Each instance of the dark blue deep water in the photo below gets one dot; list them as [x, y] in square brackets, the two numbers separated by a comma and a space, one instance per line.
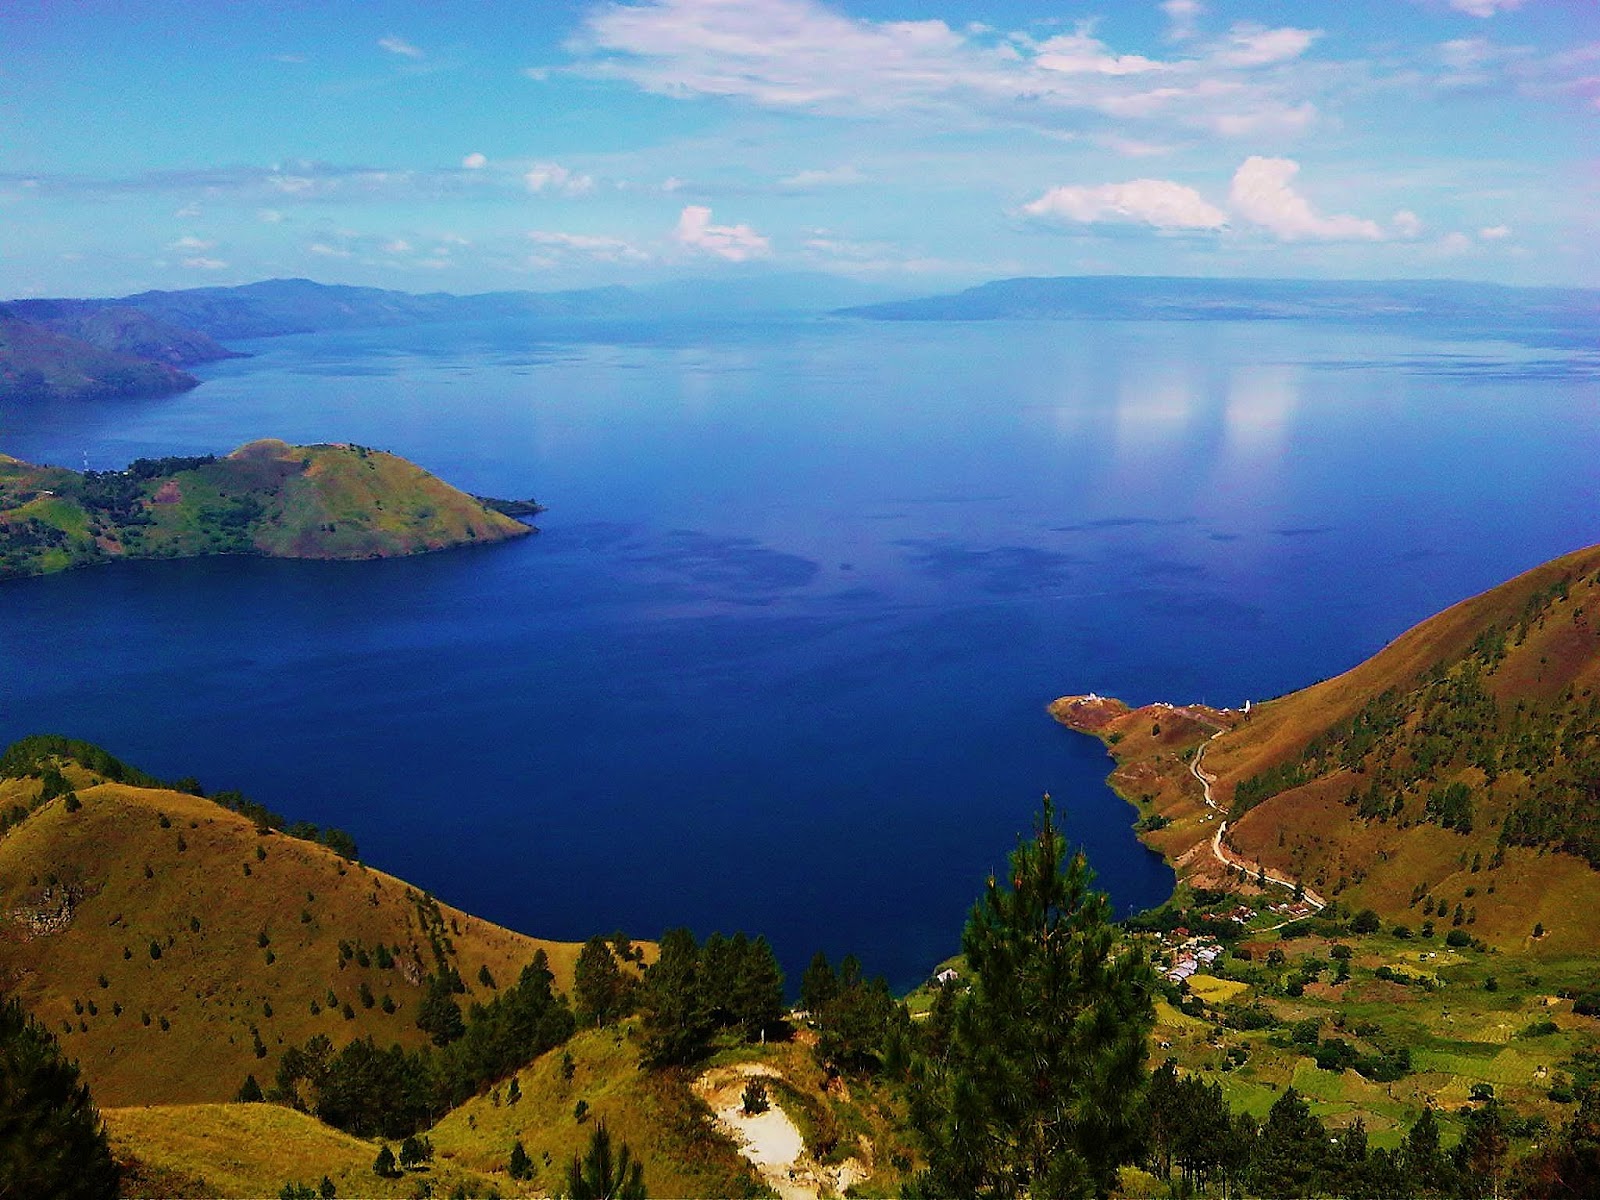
[780, 659]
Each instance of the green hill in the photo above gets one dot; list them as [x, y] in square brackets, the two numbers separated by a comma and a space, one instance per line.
[268, 498]
[1455, 775]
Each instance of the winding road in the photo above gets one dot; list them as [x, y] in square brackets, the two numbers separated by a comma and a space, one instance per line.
[1225, 856]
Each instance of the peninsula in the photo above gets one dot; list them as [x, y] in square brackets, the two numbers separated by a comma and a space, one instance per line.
[1450, 775]
[266, 498]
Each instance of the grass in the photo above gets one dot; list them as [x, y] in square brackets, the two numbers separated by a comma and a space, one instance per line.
[655, 1113]
[1217, 991]
[251, 1150]
[1460, 1036]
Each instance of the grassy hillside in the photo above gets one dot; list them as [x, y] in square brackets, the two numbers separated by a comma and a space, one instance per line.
[251, 1150]
[174, 946]
[37, 363]
[267, 497]
[1454, 776]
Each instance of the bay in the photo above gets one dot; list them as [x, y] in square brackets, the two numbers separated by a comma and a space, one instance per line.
[780, 659]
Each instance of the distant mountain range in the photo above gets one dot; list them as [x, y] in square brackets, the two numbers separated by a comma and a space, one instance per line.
[136, 345]
[1566, 315]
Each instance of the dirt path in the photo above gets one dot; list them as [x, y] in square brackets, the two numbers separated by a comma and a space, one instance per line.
[770, 1141]
[1227, 857]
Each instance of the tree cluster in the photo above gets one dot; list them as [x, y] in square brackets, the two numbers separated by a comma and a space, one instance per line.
[373, 1092]
[692, 991]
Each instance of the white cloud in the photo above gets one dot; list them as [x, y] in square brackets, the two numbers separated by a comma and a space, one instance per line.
[1157, 202]
[324, 250]
[1131, 147]
[1078, 53]
[189, 242]
[269, 216]
[398, 45]
[1262, 195]
[1495, 233]
[1406, 224]
[188, 212]
[831, 177]
[204, 264]
[1277, 120]
[474, 162]
[292, 185]
[1183, 18]
[587, 245]
[397, 246]
[1455, 243]
[1484, 8]
[553, 178]
[736, 243]
[807, 55]
[1253, 46]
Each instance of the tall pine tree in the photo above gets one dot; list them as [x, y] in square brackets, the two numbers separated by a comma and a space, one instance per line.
[52, 1142]
[677, 1020]
[1041, 1086]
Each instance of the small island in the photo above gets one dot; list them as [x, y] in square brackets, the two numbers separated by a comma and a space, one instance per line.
[266, 498]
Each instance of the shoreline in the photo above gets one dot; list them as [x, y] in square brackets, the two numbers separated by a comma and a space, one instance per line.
[1156, 749]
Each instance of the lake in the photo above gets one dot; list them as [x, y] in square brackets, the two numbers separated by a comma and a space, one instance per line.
[780, 659]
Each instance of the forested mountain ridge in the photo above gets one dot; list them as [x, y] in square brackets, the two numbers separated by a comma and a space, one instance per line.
[1455, 775]
[267, 498]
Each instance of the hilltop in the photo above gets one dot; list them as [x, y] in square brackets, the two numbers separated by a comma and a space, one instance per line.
[267, 498]
[175, 944]
[1453, 778]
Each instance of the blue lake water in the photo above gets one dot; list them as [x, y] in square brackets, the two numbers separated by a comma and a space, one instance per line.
[780, 659]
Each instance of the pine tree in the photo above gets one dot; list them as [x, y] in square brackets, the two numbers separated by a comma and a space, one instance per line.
[599, 988]
[520, 1166]
[1041, 1088]
[249, 1091]
[599, 1176]
[1286, 1157]
[384, 1165]
[52, 1142]
[757, 997]
[818, 986]
[677, 1023]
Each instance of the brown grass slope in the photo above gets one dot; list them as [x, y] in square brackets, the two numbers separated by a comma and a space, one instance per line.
[1550, 658]
[88, 899]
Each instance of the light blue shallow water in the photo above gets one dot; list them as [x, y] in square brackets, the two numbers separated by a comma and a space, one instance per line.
[780, 659]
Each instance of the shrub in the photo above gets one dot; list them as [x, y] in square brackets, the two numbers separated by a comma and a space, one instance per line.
[384, 1165]
[755, 1098]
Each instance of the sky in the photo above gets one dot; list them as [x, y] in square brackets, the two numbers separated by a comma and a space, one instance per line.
[913, 146]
